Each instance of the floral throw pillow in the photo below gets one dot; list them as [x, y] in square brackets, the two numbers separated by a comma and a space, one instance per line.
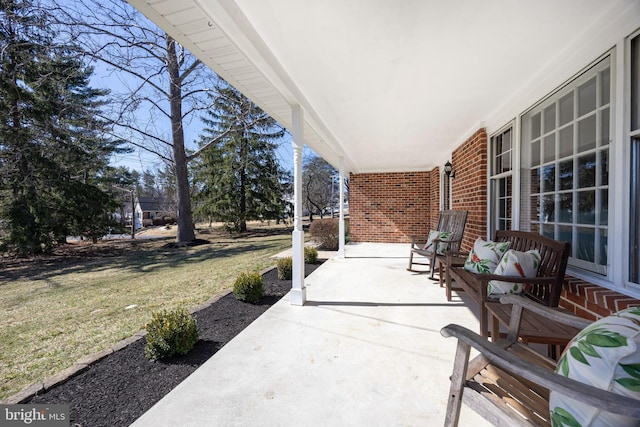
[606, 355]
[485, 255]
[514, 263]
[437, 235]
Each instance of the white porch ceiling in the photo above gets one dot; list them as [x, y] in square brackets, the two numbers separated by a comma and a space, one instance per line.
[389, 85]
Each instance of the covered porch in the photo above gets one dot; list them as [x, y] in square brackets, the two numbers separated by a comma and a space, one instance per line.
[534, 104]
[366, 349]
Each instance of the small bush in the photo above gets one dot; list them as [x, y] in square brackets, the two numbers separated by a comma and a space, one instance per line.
[326, 232]
[310, 255]
[248, 287]
[170, 333]
[285, 267]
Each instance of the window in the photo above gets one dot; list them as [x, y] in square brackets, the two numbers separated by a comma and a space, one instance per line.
[565, 167]
[634, 120]
[501, 178]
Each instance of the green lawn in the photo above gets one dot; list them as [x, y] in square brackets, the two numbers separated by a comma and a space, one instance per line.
[57, 310]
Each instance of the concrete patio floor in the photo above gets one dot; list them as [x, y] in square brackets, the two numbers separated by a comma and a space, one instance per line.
[365, 350]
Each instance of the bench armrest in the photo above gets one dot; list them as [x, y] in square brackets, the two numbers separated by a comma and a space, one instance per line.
[552, 314]
[498, 356]
[486, 277]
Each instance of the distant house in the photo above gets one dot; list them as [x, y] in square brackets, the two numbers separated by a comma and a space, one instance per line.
[153, 211]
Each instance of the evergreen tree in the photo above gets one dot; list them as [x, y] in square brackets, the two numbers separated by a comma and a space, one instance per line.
[53, 150]
[239, 178]
[150, 188]
[165, 83]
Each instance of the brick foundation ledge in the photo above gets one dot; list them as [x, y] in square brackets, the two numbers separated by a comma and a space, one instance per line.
[591, 301]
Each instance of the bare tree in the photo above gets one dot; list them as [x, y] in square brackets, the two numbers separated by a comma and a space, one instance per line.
[319, 185]
[158, 85]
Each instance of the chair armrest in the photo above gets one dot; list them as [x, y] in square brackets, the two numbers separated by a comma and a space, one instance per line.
[551, 313]
[418, 239]
[447, 242]
[500, 357]
[457, 254]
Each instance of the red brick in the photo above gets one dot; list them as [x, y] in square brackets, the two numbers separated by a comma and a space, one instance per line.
[626, 302]
[598, 309]
[586, 314]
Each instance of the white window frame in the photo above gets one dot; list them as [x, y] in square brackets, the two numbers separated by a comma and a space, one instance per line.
[494, 178]
[556, 160]
[628, 137]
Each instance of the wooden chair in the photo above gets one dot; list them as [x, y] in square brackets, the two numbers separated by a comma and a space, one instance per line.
[449, 220]
[508, 383]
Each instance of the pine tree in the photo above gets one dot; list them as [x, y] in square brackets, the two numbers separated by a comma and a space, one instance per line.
[53, 149]
[239, 178]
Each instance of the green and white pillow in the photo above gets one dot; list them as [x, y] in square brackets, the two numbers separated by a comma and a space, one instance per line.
[514, 263]
[437, 235]
[485, 256]
[606, 355]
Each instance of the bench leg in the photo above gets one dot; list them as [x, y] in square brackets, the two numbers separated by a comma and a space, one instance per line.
[432, 266]
[458, 378]
[495, 329]
[484, 321]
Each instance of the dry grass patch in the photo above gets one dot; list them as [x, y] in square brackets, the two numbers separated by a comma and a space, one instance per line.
[59, 309]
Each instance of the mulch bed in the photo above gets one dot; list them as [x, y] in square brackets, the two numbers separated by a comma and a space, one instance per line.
[118, 389]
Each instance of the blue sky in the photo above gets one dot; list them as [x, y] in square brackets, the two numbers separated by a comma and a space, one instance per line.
[141, 160]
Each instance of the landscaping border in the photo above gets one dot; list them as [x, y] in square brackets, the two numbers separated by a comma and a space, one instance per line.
[86, 362]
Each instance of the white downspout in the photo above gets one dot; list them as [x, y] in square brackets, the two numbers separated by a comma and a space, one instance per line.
[298, 295]
[341, 253]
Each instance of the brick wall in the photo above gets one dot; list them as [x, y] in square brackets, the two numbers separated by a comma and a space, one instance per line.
[592, 301]
[390, 207]
[469, 187]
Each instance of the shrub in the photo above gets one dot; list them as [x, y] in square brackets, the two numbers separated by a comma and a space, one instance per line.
[170, 333]
[248, 287]
[310, 255]
[285, 267]
[326, 232]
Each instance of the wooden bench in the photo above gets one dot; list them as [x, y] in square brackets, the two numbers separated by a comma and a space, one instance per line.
[508, 383]
[545, 288]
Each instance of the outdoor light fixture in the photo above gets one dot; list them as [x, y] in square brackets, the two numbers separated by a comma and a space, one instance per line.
[448, 168]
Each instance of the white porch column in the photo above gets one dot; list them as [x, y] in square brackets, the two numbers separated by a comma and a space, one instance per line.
[298, 291]
[341, 253]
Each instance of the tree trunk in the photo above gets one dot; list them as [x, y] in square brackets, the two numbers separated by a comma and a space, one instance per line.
[243, 184]
[185, 222]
